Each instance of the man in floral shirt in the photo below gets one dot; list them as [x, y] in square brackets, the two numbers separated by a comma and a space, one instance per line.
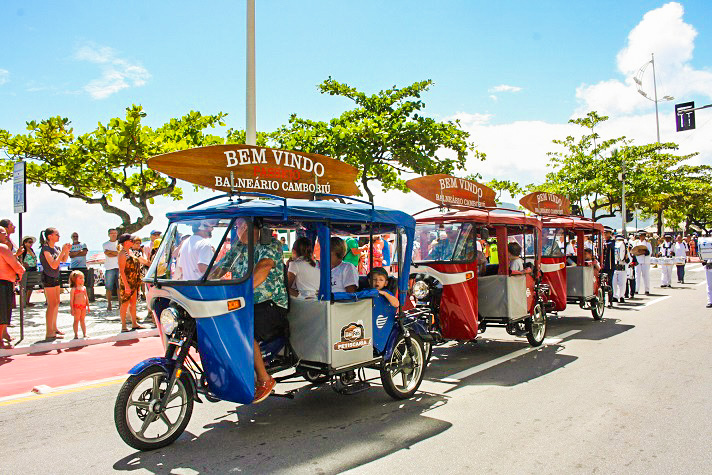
[270, 293]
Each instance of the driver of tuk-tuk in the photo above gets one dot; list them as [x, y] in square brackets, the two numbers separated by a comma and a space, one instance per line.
[270, 293]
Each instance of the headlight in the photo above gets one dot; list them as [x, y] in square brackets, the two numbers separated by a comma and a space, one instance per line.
[169, 320]
[421, 290]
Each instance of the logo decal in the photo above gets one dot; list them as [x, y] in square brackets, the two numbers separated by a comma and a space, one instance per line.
[352, 337]
[381, 321]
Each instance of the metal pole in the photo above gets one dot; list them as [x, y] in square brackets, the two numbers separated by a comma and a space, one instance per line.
[251, 129]
[23, 284]
[625, 232]
[655, 90]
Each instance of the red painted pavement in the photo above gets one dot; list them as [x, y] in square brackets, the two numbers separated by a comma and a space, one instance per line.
[20, 373]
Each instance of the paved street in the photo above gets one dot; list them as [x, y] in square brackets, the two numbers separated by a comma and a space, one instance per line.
[630, 394]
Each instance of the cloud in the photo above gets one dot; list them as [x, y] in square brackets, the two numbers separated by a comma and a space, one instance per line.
[661, 31]
[501, 88]
[116, 73]
[504, 88]
[4, 76]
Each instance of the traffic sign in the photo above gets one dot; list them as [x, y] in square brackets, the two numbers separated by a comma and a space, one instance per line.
[19, 188]
[685, 116]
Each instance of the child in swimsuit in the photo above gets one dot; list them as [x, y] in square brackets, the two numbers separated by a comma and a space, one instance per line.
[78, 301]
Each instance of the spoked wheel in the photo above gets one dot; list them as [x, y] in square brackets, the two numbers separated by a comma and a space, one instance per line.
[403, 373]
[137, 419]
[536, 326]
[598, 305]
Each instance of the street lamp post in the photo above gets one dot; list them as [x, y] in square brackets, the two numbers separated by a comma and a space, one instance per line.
[638, 79]
[251, 102]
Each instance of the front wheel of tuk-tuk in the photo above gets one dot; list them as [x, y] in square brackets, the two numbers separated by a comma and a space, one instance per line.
[536, 326]
[139, 421]
[598, 306]
[402, 374]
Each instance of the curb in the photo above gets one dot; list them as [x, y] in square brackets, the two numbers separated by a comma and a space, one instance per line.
[59, 345]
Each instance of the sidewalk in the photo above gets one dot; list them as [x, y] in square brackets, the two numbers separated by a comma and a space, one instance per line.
[102, 325]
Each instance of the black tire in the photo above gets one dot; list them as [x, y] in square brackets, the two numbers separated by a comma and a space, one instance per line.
[315, 377]
[122, 413]
[598, 305]
[536, 326]
[401, 363]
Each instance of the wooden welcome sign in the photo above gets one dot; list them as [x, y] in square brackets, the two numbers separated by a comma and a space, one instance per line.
[542, 202]
[259, 169]
[453, 192]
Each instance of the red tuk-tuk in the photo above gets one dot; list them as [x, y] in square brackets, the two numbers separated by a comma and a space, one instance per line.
[452, 276]
[572, 276]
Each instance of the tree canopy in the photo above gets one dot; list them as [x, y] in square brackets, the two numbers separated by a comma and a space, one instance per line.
[108, 165]
[384, 135]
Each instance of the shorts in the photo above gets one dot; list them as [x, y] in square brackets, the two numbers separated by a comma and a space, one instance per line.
[7, 300]
[270, 321]
[111, 279]
[49, 281]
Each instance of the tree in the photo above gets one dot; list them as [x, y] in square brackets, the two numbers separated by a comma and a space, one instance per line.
[589, 171]
[384, 135]
[109, 162]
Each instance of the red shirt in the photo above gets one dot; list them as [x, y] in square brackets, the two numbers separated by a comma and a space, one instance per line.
[10, 267]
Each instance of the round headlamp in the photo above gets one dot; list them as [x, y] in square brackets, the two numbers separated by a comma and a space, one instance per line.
[421, 290]
[169, 320]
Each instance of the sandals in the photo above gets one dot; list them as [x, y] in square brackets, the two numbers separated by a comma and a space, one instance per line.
[138, 328]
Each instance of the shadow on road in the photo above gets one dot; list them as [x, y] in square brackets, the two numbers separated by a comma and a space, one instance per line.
[318, 426]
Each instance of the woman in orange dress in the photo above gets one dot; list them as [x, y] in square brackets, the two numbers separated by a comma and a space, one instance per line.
[129, 281]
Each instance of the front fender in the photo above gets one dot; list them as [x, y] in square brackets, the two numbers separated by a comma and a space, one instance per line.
[413, 325]
[167, 365]
[161, 361]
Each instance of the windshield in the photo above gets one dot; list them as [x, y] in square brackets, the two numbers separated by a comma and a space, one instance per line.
[454, 242]
[552, 242]
[188, 249]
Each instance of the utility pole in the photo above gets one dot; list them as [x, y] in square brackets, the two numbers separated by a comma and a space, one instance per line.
[655, 91]
[623, 214]
[251, 128]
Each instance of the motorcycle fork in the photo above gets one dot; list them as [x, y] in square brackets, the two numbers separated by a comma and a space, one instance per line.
[406, 335]
[178, 366]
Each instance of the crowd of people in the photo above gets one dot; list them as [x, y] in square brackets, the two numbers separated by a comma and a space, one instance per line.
[126, 260]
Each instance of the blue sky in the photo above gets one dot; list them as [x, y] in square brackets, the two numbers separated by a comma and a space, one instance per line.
[514, 71]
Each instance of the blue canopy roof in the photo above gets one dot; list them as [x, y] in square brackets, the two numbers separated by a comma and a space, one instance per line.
[300, 210]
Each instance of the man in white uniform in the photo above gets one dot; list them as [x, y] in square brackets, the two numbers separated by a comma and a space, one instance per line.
[681, 250]
[708, 272]
[196, 252]
[642, 272]
[666, 269]
[619, 273]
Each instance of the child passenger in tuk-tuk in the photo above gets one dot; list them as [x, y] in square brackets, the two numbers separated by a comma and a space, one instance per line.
[378, 279]
[303, 271]
[516, 264]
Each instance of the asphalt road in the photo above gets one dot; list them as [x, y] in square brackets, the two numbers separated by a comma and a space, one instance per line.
[630, 394]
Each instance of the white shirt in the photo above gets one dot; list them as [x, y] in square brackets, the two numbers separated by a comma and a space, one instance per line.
[680, 249]
[195, 250]
[570, 250]
[516, 264]
[342, 276]
[642, 259]
[111, 262]
[306, 278]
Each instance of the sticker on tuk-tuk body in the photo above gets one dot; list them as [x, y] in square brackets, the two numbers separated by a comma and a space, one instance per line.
[352, 337]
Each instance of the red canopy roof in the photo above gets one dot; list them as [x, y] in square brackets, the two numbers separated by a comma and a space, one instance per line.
[489, 216]
[571, 222]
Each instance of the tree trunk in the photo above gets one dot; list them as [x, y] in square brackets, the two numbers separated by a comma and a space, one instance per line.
[364, 183]
[660, 221]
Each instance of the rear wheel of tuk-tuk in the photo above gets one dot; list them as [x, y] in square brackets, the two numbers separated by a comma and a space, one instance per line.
[598, 305]
[135, 415]
[402, 374]
[536, 326]
[316, 377]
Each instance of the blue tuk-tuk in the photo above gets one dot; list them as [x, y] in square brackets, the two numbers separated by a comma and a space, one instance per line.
[206, 321]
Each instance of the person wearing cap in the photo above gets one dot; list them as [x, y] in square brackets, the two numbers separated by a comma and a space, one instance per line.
[666, 251]
[642, 272]
[28, 259]
[148, 247]
[619, 269]
[609, 254]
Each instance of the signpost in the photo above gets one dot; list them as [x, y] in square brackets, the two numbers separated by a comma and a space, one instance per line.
[545, 203]
[452, 192]
[248, 168]
[19, 199]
